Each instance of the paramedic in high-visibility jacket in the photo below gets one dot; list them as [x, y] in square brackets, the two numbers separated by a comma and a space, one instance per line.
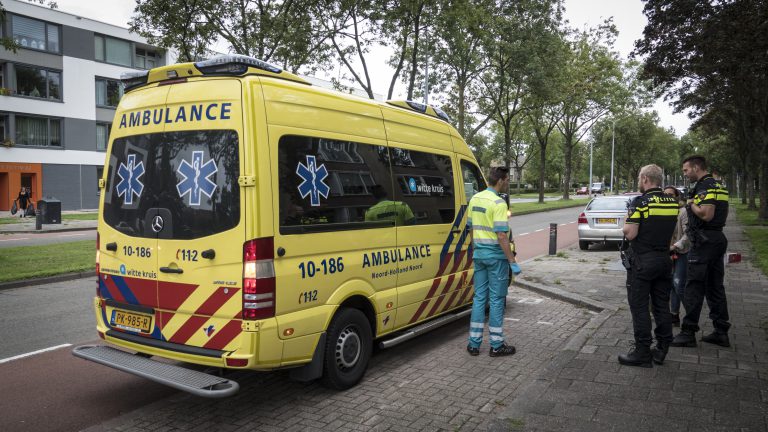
[493, 259]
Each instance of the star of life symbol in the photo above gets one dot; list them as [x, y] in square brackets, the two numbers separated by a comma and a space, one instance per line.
[314, 180]
[129, 179]
[196, 178]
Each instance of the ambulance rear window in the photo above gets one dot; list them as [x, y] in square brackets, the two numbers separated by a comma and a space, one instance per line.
[187, 179]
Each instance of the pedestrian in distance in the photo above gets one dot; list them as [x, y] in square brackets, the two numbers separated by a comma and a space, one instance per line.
[678, 250]
[707, 208]
[23, 200]
[650, 222]
[493, 259]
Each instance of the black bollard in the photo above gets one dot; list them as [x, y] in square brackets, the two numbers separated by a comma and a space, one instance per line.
[552, 238]
[38, 220]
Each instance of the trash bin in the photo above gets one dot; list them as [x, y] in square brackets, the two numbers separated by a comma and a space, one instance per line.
[50, 210]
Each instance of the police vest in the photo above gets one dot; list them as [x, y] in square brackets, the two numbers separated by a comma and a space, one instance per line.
[656, 214]
[709, 191]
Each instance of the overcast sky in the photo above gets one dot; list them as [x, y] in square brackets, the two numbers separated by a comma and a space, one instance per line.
[627, 15]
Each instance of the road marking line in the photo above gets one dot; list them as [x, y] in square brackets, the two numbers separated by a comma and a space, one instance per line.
[20, 356]
[520, 235]
[571, 223]
[71, 235]
[511, 319]
[22, 238]
[538, 230]
[543, 322]
[563, 224]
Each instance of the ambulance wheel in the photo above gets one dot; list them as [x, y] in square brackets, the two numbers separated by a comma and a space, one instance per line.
[583, 245]
[348, 348]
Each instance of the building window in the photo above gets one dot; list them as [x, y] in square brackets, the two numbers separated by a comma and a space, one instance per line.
[37, 82]
[4, 138]
[99, 175]
[111, 50]
[102, 135]
[146, 59]
[108, 92]
[38, 131]
[34, 34]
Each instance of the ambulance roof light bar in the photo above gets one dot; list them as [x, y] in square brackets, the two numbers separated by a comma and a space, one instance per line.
[134, 79]
[421, 108]
[234, 64]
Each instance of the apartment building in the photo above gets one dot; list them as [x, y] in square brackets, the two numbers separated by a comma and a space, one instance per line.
[58, 95]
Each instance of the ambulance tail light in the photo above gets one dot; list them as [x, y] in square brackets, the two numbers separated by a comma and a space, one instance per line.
[98, 267]
[582, 219]
[259, 279]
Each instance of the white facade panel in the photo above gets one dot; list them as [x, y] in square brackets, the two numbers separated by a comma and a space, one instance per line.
[45, 156]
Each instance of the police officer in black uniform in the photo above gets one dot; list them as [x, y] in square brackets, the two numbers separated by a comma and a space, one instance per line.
[707, 209]
[649, 226]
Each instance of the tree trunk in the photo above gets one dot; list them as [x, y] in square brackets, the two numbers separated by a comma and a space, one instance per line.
[762, 213]
[568, 166]
[751, 205]
[519, 171]
[742, 188]
[542, 168]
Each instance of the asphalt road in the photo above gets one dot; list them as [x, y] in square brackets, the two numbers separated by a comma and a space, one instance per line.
[40, 324]
[33, 239]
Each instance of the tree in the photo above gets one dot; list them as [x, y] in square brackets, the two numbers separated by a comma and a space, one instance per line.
[278, 31]
[593, 86]
[706, 54]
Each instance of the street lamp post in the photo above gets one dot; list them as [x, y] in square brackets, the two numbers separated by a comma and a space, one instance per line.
[613, 147]
[589, 185]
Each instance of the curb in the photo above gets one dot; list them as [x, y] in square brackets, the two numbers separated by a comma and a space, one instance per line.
[44, 231]
[574, 299]
[46, 280]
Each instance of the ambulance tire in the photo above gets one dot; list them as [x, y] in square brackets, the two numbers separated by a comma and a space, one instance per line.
[348, 348]
[583, 245]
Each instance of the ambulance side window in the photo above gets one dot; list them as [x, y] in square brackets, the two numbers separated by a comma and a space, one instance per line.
[333, 185]
[424, 182]
[473, 180]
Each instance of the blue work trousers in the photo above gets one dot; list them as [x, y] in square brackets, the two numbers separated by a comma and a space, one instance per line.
[491, 282]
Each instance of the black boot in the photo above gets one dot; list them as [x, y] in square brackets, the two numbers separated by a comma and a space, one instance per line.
[684, 339]
[639, 355]
[717, 339]
[659, 352]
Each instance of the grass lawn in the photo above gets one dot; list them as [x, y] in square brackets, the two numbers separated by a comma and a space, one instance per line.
[26, 262]
[66, 216]
[756, 231]
[535, 194]
[535, 207]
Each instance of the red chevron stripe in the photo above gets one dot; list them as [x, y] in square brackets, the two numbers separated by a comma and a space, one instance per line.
[442, 295]
[145, 290]
[456, 292]
[444, 264]
[164, 318]
[458, 260]
[464, 296]
[171, 295]
[216, 301]
[113, 290]
[189, 328]
[225, 335]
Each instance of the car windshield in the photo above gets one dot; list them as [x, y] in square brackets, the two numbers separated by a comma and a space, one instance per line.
[608, 204]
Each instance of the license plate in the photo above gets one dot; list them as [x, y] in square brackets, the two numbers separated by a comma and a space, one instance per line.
[607, 220]
[131, 321]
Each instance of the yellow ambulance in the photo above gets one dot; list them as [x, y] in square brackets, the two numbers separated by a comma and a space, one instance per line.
[250, 220]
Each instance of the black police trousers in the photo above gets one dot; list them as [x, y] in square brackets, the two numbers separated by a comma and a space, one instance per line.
[650, 277]
[705, 280]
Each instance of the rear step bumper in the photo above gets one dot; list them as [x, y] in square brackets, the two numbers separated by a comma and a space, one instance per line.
[191, 381]
[425, 327]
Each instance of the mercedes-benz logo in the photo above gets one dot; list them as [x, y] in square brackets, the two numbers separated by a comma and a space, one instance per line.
[157, 224]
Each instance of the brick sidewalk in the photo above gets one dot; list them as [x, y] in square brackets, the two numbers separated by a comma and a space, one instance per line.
[429, 383]
[707, 388]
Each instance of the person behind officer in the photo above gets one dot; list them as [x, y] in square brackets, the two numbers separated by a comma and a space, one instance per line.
[387, 210]
[493, 259]
[649, 228]
[23, 200]
[678, 250]
[707, 209]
